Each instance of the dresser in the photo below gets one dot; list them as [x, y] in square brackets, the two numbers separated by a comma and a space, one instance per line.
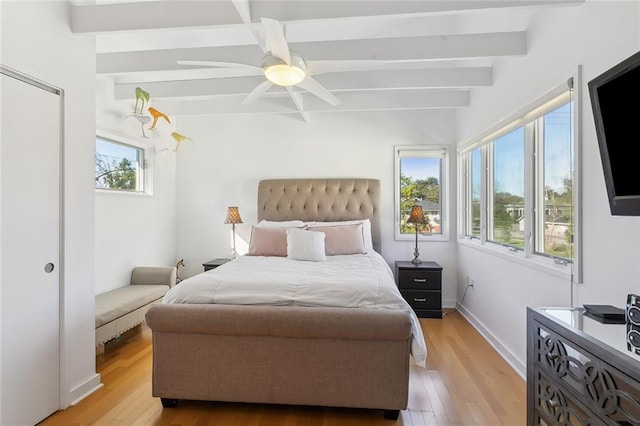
[421, 286]
[579, 370]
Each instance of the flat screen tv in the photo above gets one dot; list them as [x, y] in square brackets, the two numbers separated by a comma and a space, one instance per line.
[615, 100]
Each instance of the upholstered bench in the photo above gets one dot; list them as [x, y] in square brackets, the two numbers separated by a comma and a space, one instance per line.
[123, 308]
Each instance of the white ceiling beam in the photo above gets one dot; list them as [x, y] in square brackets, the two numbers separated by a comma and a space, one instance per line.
[182, 14]
[336, 82]
[389, 49]
[282, 103]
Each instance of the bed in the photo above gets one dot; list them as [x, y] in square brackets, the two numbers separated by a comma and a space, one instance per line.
[217, 337]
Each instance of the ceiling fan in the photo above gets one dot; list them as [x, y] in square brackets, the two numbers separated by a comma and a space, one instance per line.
[285, 68]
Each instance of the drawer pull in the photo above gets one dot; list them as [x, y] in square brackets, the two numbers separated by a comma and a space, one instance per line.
[553, 357]
[419, 299]
[420, 280]
[553, 403]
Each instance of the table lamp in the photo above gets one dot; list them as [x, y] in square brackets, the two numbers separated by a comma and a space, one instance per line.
[233, 217]
[416, 217]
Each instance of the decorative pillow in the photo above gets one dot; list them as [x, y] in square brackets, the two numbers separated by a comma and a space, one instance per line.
[305, 245]
[342, 239]
[366, 229]
[268, 242]
[282, 224]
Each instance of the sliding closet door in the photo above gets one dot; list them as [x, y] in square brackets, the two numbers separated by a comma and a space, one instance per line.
[30, 252]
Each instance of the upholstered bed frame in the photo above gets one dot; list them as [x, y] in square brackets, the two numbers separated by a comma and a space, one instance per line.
[288, 355]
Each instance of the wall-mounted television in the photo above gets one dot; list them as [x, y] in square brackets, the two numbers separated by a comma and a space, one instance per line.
[615, 100]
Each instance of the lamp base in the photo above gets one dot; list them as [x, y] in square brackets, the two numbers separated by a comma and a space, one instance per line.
[416, 256]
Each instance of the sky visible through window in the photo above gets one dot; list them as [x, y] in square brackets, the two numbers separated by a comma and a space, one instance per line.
[420, 168]
[557, 155]
[116, 151]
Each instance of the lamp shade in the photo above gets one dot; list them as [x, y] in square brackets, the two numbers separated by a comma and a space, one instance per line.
[416, 215]
[233, 215]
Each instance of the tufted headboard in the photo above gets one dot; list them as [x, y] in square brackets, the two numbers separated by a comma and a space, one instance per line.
[322, 200]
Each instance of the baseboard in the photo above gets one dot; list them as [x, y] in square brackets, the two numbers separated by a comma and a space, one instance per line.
[84, 390]
[449, 303]
[519, 367]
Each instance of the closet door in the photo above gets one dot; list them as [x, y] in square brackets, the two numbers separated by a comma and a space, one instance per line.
[30, 150]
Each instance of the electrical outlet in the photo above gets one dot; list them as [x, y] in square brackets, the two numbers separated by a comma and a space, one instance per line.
[471, 281]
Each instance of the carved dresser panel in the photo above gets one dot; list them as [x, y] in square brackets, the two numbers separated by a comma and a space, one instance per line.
[579, 370]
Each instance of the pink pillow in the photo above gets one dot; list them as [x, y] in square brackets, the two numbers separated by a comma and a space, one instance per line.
[342, 239]
[268, 242]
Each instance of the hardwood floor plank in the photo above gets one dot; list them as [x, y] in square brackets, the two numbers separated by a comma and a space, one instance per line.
[465, 383]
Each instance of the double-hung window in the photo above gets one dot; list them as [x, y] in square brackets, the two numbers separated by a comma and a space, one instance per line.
[517, 182]
[421, 173]
[121, 165]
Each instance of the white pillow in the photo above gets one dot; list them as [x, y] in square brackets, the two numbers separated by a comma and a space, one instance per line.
[282, 224]
[305, 245]
[366, 229]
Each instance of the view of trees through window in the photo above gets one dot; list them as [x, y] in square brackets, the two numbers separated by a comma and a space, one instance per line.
[550, 212]
[420, 183]
[117, 166]
[556, 195]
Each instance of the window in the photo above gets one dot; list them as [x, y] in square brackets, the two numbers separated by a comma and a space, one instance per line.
[517, 185]
[119, 165]
[554, 185]
[420, 179]
[506, 191]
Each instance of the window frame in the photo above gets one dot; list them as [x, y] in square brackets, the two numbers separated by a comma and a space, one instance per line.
[145, 169]
[526, 117]
[438, 151]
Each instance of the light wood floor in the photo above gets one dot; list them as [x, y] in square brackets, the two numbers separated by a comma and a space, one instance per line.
[465, 383]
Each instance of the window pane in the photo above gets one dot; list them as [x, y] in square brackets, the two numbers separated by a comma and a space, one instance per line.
[508, 189]
[557, 193]
[476, 181]
[420, 183]
[118, 166]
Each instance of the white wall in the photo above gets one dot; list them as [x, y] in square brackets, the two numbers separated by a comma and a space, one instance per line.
[231, 154]
[596, 35]
[134, 230]
[36, 41]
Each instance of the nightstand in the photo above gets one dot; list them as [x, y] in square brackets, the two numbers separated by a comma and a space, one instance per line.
[421, 286]
[213, 264]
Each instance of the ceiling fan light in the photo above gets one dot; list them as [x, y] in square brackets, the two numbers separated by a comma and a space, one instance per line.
[279, 72]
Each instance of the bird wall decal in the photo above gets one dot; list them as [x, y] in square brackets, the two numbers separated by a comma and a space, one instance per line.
[179, 139]
[156, 115]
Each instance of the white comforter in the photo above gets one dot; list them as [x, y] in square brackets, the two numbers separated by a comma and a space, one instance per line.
[352, 281]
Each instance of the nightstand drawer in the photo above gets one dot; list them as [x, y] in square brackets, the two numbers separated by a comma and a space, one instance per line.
[423, 299]
[419, 279]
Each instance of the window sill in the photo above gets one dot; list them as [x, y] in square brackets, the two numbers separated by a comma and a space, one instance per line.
[423, 238]
[117, 193]
[539, 263]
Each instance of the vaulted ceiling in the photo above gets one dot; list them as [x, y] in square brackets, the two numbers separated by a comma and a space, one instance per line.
[393, 54]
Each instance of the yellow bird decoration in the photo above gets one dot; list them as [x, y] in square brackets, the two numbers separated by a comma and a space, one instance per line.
[179, 139]
[156, 115]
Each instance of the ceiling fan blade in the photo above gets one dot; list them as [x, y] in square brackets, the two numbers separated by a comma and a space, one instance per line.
[297, 100]
[312, 86]
[322, 67]
[260, 90]
[218, 64]
[274, 35]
